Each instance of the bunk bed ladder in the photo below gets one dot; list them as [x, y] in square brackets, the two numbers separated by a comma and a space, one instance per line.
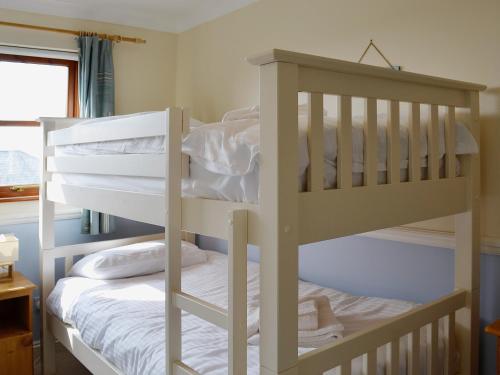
[234, 319]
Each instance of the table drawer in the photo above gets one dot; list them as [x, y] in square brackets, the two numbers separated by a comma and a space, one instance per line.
[16, 355]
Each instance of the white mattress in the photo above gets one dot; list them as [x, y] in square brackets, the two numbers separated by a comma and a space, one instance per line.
[124, 319]
[205, 184]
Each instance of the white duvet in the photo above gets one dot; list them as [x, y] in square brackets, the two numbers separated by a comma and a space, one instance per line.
[124, 318]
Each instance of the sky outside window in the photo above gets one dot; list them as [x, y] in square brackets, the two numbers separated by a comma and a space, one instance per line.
[27, 92]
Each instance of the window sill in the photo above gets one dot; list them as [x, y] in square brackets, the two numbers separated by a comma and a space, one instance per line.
[12, 213]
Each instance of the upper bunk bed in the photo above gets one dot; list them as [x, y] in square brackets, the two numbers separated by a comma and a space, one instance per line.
[131, 171]
[297, 202]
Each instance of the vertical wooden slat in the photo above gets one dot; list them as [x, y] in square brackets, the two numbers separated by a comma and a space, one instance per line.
[370, 142]
[467, 234]
[316, 143]
[186, 115]
[237, 289]
[450, 134]
[393, 357]
[467, 253]
[173, 174]
[414, 352]
[46, 237]
[278, 218]
[414, 167]
[344, 142]
[393, 143]
[449, 361]
[433, 143]
[370, 362]
[68, 263]
[188, 237]
[432, 348]
[345, 368]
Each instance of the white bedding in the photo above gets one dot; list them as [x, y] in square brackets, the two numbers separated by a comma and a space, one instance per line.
[233, 147]
[124, 319]
[225, 155]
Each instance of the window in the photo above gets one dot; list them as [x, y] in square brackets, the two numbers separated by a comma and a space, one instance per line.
[30, 87]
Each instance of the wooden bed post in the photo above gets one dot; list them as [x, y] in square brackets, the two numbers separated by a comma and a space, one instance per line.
[46, 243]
[186, 116]
[278, 222]
[467, 254]
[173, 201]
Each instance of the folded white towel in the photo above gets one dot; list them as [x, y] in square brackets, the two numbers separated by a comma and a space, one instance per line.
[329, 327]
[308, 314]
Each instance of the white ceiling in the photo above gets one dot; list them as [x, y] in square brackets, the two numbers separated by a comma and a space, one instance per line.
[163, 15]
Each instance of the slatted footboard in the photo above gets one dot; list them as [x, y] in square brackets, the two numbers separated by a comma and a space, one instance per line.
[341, 353]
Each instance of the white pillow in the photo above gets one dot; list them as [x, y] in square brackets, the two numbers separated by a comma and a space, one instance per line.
[253, 112]
[137, 259]
[228, 148]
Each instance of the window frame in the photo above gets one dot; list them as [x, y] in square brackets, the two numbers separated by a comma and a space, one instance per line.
[18, 193]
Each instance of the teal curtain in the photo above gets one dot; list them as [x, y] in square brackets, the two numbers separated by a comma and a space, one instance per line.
[96, 93]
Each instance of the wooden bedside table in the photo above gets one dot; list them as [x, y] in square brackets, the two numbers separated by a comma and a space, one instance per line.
[494, 329]
[16, 326]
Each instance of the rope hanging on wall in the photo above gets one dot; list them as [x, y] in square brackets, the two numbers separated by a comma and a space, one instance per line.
[371, 44]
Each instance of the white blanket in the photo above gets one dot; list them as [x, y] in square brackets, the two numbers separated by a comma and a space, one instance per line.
[232, 148]
[124, 319]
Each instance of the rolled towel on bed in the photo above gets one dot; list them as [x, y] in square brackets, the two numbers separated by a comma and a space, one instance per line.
[329, 327]
[192, 255]
[308, 314]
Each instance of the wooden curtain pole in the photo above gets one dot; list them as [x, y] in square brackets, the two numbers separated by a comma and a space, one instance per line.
[114, 38]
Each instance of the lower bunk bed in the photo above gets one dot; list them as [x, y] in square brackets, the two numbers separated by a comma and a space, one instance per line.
[123, 319]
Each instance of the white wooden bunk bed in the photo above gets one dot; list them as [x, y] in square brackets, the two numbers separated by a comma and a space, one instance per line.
[286, 217]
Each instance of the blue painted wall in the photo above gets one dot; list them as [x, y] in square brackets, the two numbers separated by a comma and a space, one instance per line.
[389, 269]
[67, 233]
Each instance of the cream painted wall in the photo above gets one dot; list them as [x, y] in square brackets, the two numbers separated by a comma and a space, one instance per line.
[145, 73]
[457, 39]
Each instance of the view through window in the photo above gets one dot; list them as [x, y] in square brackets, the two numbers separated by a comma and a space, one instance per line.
[30, 87]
